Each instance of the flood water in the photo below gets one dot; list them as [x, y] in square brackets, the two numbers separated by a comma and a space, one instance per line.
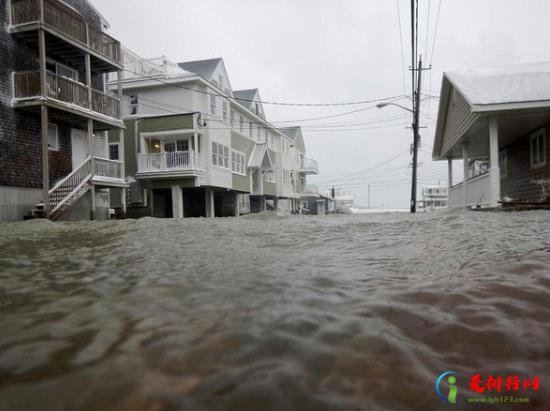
[273, 313]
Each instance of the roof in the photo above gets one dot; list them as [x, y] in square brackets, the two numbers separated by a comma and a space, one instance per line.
[508, 84]
[291, 132]
[245, 97]
[204, 68]
[257, 158]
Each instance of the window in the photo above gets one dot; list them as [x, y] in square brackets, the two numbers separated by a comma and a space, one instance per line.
[134, 102]
[259, 130]
[232, 119]
[241, 124]
[213, 104]
[237, 162]
[538, 149]
[270, 177]
[286, 176]
[62, 70]
[256, 108]
[53, 137]
[225, 110]
[220, 81]
[220, 155]
[114, 153]
[502, 163]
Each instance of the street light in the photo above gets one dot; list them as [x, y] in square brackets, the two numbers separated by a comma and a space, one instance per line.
[382, 105]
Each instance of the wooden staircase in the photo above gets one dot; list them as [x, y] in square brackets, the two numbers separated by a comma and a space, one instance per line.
[67, 191]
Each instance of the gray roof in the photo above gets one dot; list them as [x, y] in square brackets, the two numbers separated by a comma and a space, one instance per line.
[259, 155]
[291, 132]
[508, 84]
[247, 97]
[204, 68]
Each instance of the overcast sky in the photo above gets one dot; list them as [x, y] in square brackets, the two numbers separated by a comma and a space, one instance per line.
[325, 51]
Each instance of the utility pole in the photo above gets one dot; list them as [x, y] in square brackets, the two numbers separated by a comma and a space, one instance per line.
[416, 137]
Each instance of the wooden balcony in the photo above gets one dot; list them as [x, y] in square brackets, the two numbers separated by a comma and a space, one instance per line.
[65, 23]
[66, 94]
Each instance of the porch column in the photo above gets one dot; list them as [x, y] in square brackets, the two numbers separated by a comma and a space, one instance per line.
[465, 160]
[121, 150]
[196, 142]
[275, 204]
[177, 202]
[92, 197]
[209, 202]
[450, 171]
[236, 202]
[90, 138]
[44, 121]
[88, 65]
[123, 200]
[495, 168]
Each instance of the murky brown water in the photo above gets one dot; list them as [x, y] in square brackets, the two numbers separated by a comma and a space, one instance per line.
[271, 313]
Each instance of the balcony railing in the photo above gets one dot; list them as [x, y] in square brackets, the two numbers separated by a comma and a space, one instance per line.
[478, 192]
[104, 167]
[27, 85]
[61, 18]
[167, 162]
[309, 166]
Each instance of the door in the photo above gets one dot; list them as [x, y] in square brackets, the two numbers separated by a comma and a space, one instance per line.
[177, 153]
[79, 147]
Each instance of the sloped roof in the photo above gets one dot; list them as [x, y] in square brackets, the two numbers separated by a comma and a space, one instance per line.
[291, 132]
[204, 68]
[508, 84]
[258, 156]
[247, 97]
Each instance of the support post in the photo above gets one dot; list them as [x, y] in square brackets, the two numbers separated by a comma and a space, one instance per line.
[275, 204]
[123, 201]
[90, 130]
[92, 195]
[495, 167]
[465, 162]
[88, 65]
[177, 202]
[209, 202]
[450, 171]
[44, 121]
[236, 203]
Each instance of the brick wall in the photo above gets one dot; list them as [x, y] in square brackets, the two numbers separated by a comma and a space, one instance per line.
[20, 131]
[518, 183]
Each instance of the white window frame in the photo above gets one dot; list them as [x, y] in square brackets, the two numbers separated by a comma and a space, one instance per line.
[238, 162]
[213, 107]
[225, 110]
[270, 177]
[220, 156]
[55, 146]
[535, 139]
[502, 164]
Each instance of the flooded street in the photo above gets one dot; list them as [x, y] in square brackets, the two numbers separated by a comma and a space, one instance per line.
[272, 313]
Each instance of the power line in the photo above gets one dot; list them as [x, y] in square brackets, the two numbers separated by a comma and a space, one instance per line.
[352, 103]
[401, 46]
[435, 32]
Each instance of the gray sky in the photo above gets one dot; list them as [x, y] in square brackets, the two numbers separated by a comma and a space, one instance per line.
[320, 51]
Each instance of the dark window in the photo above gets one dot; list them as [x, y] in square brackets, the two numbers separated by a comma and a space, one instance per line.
[113, 152]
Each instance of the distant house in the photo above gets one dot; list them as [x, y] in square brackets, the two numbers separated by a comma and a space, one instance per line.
[433, 198]
[496, 121]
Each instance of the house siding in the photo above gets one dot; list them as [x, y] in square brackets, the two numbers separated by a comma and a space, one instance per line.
[518, 183]
[166, 123]
[459, 119]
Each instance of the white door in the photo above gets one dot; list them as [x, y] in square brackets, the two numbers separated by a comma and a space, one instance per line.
[79, 147]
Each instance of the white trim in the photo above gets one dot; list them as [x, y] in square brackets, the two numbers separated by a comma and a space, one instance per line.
[56, 146]
[147, 134]
[536, 135]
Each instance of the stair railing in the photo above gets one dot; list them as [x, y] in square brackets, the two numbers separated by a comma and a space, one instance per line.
[70, 185]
